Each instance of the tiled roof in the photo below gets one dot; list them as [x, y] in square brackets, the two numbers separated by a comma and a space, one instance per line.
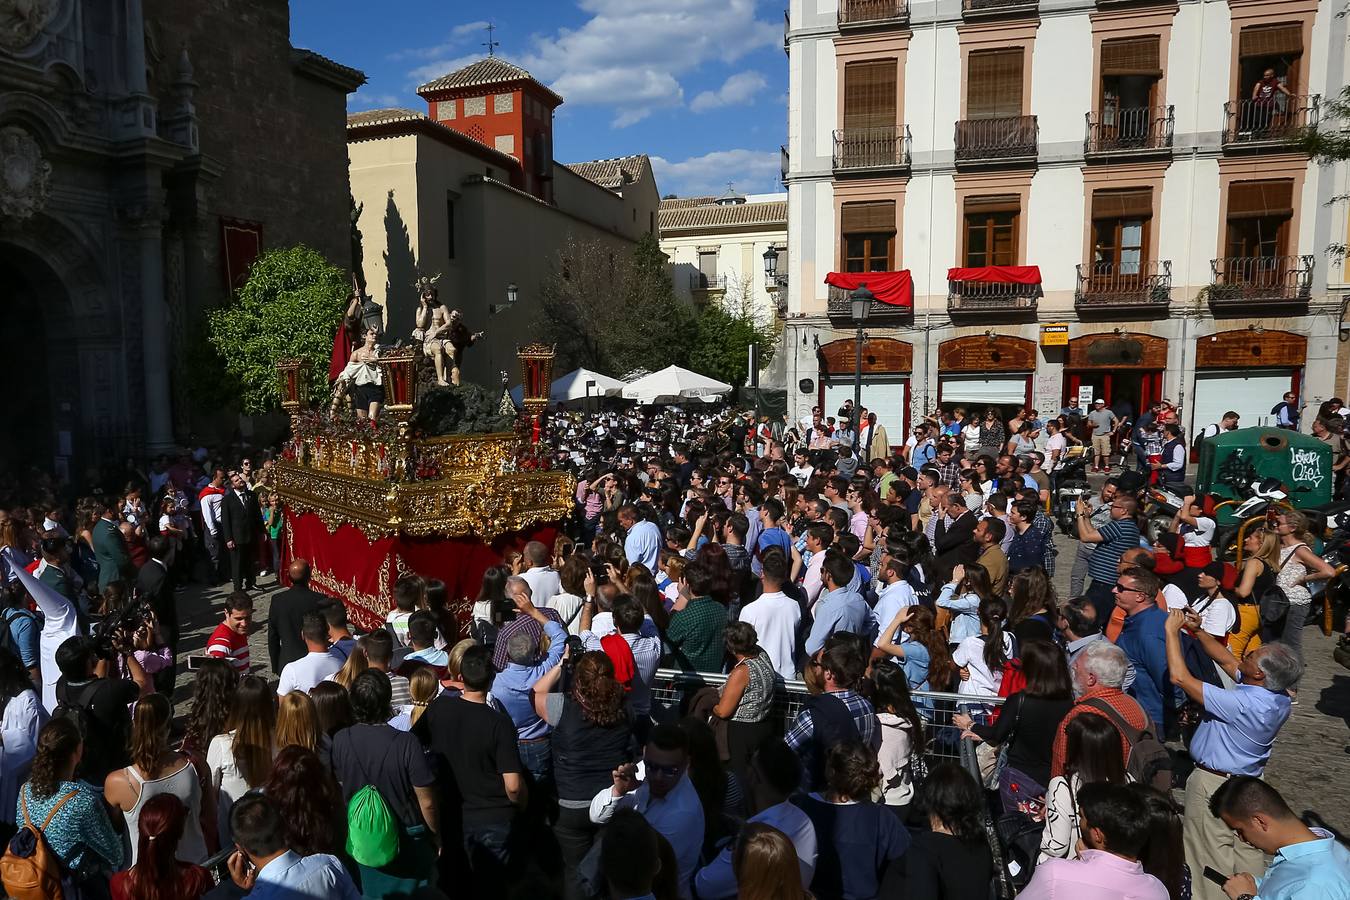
[487, 71]
[611, 173]
[686, 202]
[392, 121]
[334, 72]
[712, 216]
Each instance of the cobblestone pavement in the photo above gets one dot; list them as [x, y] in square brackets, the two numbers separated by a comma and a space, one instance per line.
[1310, 765]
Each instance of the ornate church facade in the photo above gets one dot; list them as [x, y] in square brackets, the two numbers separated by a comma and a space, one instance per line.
[149, 151]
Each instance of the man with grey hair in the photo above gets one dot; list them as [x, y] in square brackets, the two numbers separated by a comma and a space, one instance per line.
[1098, 672]
[540, 574]
[513, 688]
[1235, 737]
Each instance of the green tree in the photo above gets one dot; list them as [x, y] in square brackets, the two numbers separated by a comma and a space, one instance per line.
[655, 325]
[1329, 142]
[289, 308]
[724, 331]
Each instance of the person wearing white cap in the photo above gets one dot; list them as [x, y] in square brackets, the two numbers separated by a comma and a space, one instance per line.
[1104, 423]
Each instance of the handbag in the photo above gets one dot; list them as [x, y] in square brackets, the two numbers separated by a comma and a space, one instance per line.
[1274, 602]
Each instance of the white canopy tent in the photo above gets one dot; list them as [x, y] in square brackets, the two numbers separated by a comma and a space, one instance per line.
[572, 386]
[673, 381]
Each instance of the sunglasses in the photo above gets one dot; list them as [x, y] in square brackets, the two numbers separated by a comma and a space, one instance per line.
[1119, 588]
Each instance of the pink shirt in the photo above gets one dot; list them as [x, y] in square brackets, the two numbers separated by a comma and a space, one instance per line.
[857, 524]
[1097, 875]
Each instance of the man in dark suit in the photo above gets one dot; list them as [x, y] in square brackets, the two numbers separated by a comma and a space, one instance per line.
[284, 642]
[155, 586]
[109, 549]
[954, 541]
[240, 520]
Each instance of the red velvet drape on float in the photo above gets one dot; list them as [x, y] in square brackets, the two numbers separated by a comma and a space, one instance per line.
[997, 274]
[342, 351]
[894, 288]
[361, 573]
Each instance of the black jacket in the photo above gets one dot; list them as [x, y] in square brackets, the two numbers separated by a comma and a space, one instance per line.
[240, 521]
[152, 584]
[955, 544]
[284, 644]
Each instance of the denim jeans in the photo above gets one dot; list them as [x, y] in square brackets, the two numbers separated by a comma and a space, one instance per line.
[537, 758]
[488, 847]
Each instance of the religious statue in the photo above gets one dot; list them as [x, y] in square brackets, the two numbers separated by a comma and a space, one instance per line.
[460, 340]
[363, 377]
[362, 312]
[431, 325]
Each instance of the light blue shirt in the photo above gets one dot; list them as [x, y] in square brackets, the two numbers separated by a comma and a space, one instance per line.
[890, 600]
[294, 877]
[514, 686]
[429, 655]
[643, 545]
[965, 613]
[841, 609]
[1239, 728]
[1312, 870]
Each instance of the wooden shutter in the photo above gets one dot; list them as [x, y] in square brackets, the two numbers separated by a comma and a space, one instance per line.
[871, 217]
[1132, 56]
[994, 84]
[1271, 40]
[869, 94]
[999, 203]
[1253, 199]
[1132, 203]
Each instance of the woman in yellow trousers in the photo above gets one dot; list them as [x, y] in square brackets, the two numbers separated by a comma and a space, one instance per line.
[1258, 574]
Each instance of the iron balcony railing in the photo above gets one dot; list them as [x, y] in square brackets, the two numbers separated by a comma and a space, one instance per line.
[1146, 285]
[976, 8]
[1004, 138]
[700, 282]
[868, 12]
[784, 163]
[1135, 129]
[1280, 121]
[872, 148]
[1244, 279]
[991, 296]
[840, 309]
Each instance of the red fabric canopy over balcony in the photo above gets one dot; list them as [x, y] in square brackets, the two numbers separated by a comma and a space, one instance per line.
[894, 288]
[997, 274]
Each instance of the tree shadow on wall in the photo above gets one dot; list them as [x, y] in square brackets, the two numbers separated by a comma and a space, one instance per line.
[400, 292]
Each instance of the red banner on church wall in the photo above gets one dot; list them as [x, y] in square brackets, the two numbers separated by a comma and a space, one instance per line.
[240, 245]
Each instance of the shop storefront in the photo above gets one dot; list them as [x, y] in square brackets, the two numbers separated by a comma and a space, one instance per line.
[1125, 370]
[980, 371]
[1245, 371]
[886, 368]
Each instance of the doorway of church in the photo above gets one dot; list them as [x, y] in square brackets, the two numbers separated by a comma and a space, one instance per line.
[31, 439]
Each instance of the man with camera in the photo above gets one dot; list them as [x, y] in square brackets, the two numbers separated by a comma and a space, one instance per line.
[91, 691]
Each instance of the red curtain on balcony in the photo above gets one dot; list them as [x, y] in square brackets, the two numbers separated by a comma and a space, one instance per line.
[895, 288]
[997, 274]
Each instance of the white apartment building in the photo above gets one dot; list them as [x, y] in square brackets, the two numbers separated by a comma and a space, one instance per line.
[1060, 196]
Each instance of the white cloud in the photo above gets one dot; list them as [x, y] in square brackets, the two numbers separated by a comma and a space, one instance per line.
[631, 54]
[457, 38]
[752, 171]
[368, 99]
[739, 89]
[438, 67]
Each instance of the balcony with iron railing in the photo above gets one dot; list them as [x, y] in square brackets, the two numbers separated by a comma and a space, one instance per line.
[1238, 283]
[840, 310]
[1106, 288]
[700, 283]
[876, 149]
[1257, 124]
[965, 298]
[784, 164]
[863, 13]
[1137, 131]
[1006, 139]
[987, 9]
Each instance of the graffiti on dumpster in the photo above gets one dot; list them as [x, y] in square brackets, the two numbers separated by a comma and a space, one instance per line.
[1305, 467]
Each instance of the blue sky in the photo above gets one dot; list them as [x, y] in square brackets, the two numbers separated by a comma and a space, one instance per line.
[698, 85]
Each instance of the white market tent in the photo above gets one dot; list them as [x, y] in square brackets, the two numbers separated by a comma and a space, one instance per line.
[572, 386]
[675, 382]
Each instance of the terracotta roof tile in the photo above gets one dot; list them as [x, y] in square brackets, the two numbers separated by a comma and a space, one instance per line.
[686, 202]
[487, 71]
[713, 216]
[611, 173]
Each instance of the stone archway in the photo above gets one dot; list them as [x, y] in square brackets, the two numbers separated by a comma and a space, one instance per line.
[37, 373]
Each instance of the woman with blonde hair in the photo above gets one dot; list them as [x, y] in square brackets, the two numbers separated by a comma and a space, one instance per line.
[766, 865]
[454, 660]
[424, 686]
[241, 759]
[156, 768]
[356, 664]
[1261, 547]
[1296, 567]
[297, 722]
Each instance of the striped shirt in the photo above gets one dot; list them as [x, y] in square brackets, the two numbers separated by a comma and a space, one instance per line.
[226, 643]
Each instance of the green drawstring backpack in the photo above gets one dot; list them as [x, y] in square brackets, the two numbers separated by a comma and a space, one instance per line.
[372, 833]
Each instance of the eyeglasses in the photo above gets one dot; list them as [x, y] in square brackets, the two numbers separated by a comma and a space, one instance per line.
[1119, 588]
[665, 771]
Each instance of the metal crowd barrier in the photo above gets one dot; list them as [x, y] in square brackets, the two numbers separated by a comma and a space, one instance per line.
[672, 689]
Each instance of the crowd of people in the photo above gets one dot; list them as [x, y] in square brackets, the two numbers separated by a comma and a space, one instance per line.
[533, 750]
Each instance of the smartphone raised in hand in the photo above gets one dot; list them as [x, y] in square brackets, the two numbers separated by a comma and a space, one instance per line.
[1216, 876]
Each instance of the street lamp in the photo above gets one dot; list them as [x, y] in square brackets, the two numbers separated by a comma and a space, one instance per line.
[770, 264]
[860, 300]
[512, 294]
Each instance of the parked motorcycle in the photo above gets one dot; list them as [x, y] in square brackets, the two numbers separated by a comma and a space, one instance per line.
[1160, 507]
[1071, 488]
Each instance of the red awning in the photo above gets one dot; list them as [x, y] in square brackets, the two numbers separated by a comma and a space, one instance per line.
[998, 274]
[895, 288]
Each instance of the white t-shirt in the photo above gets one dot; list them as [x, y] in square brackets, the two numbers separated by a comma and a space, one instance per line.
[1202, 535]
[1056, 442]
[970, 655]
[775, 618]
[971, 435]
[1216, 616]
[544, 584]
[802, 474]
[1175, 597]
[307, 671]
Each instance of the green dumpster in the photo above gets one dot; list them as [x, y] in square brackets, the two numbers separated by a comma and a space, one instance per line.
[1300, 462]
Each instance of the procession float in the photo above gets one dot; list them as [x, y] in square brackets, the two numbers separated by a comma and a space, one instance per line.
[440, 481]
